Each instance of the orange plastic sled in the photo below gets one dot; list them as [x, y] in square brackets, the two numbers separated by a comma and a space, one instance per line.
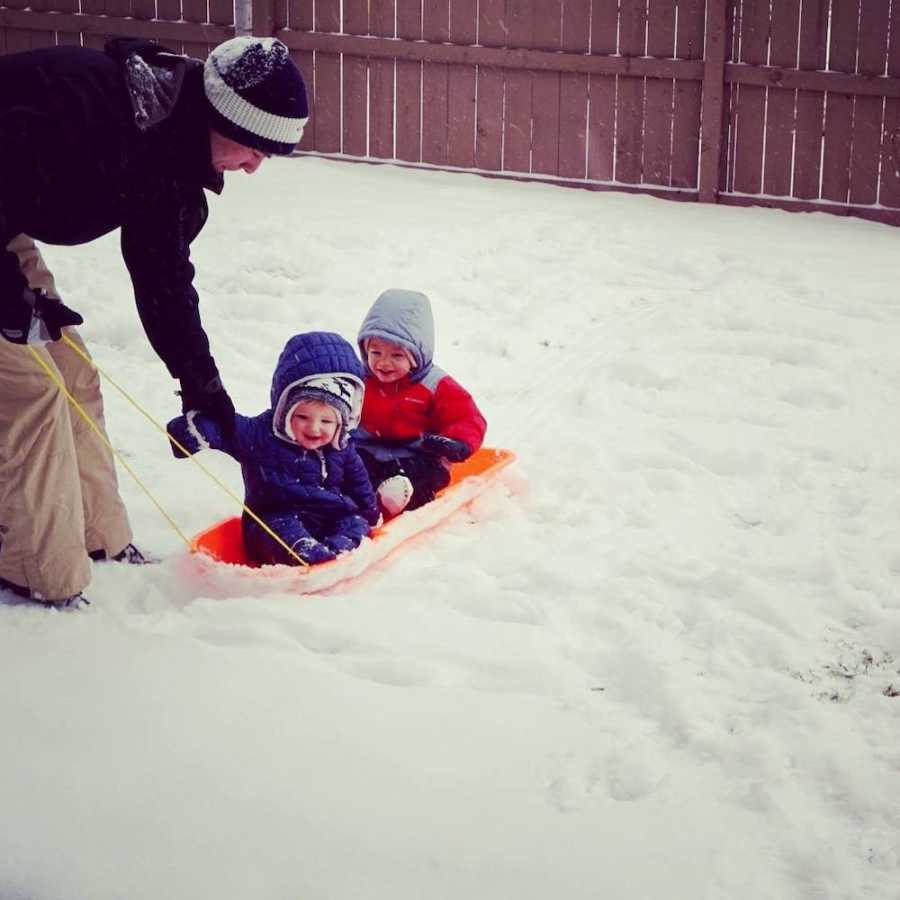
[223, 542]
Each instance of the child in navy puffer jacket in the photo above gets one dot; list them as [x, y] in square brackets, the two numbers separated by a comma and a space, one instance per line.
[416, 419]
[301, 475]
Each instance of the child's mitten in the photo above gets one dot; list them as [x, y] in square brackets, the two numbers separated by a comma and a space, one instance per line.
[312, 551]
[340, 543]
[455, 451]
[348, 534]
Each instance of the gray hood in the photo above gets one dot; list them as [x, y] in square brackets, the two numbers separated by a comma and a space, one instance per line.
[404, 318]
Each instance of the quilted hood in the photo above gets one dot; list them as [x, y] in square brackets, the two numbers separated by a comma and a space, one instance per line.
[318, 363]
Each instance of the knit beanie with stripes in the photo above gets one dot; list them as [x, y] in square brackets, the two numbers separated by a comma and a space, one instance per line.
[256, 94]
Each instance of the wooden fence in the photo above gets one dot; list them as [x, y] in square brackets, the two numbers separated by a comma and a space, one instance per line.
[791, 103]
[186, 26]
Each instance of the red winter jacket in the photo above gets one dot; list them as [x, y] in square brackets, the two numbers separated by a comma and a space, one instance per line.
[405, 410]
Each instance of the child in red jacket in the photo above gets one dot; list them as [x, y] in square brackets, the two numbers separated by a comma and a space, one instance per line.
[416, 419]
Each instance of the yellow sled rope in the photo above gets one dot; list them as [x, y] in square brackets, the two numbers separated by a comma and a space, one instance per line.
[82, 412]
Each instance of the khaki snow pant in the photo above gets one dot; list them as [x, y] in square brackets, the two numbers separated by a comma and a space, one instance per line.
[59, 495]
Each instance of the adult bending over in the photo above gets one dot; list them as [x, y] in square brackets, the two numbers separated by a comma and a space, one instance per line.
[91, 141]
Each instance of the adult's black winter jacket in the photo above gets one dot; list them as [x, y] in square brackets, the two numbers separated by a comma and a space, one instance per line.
[92, 141]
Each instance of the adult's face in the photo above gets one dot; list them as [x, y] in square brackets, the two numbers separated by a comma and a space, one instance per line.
[230, 156]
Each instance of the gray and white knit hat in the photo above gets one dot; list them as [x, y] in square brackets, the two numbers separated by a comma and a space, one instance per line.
[256, 94]
[342, 392]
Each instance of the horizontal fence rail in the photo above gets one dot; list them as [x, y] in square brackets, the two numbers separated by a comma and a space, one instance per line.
[787, 103]
[185, 26]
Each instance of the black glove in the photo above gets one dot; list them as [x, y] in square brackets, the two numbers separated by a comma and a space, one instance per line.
[207, 395]
[36, 318]
[455, 451]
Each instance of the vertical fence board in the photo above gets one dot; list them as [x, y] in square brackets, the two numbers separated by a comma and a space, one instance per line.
[729, 95]
[98, 8]
[142, 9]
[70, 38]
[381, 84]
[889, 190]
[436, 29]
[630, 95]
[867, 113]
[300, 17]
[168, 10]
[19, 39]
[461, 87]
[686, 114]
[780, 114]
[573, 92]
[517, 134]
[191, 11]
[839, 107]
[810, 104]
[328, 16]
[602, 88]
[604, 27]
[221, 12]
[328, 81]
[751, 100]
[463, 22]
[279, 14]
[632, 27]
[51, 38]
[490, 111]
[545, 87]
[262, 16]
[355, 69]
[409, 85]
[602, 129]
[659, 95]
[40, 38]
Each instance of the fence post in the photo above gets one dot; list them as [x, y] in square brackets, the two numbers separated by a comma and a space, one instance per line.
[263, 17]
[713, 91]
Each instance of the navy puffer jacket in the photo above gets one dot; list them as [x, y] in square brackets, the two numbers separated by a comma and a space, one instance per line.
[322, 494]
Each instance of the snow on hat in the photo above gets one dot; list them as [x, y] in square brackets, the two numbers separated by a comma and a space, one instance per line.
[256, 94]
[338, 391]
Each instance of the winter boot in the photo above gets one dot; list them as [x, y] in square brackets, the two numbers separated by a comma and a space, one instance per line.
[394, 494]
[130, 555]
[76, 601]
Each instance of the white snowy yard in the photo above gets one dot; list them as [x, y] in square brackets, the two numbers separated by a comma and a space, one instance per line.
[654, 663]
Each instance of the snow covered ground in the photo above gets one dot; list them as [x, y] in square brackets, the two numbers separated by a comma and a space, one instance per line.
[655, 662]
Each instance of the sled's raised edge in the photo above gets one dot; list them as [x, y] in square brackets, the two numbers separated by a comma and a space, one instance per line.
[224, 541]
